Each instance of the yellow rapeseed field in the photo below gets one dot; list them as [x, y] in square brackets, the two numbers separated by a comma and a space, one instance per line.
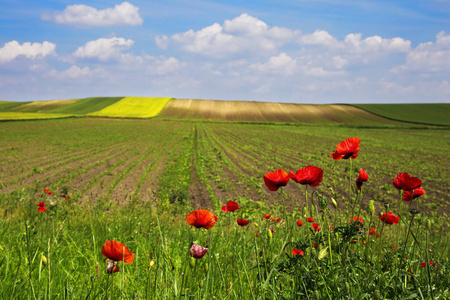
[30, 116]
[133, 107]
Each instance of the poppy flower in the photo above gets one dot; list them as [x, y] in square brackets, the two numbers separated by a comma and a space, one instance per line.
[430, 262]
[347, 149]
[257, 235]
[416, 193]
[201, 218]
[266, 216]
[198, 251]
[231, 206]
[315, 245]
[299, 223]
[41, 207]
[297, 252]
[354, 219]
[67, 198]
[395, 247]
[310, 219]
[373, 231]
[242, 222]
[271, 229]
[424, 264]
[331, 228]
[117, 251]
[363, 176]
[307, 175]
[316, 226]
[276, 179]
[405, 182]
[390, 218]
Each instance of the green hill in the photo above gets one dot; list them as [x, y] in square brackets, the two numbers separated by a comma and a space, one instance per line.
[87, 105]
[10, 105]
[433, 113]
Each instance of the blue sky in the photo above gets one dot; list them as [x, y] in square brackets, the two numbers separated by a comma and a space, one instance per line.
[304, 51]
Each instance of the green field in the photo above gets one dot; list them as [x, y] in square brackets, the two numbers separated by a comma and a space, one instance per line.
[17, 116]
[433, 113]
[9, 105]
[134, 181]
[87, 105]
[133, 107]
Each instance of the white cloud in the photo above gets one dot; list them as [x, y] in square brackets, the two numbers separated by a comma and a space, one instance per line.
[282, 64]
[319, 37]
[162, 42]
[104, 49]
[13, 49]
[429, 57]
[87, 16]
[353, 43]
[244, 34]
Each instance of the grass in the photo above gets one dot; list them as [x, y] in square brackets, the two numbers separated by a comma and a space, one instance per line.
[17, 116]
[57, 253]
[10, 105]
[87, 105]
[43, 106]
[133, 107]
[430, 113]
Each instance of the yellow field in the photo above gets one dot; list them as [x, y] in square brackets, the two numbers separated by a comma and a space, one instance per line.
[133, 107]
[42, 106]
[30, 116]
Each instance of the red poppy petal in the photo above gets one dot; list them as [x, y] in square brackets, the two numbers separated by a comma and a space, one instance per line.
[224, 208]
[117, 251]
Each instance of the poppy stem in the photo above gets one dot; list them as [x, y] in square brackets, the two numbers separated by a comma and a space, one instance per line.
[306, 202]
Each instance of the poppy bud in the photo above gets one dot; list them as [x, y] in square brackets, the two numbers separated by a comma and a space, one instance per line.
[269, 232]
[313, 209]
[305, 211]
[317, 295]
[428, 224]
[334, 202]
[386, 205]
[256, 224]
[371, 208]
[202, 284]
[192, 262]
[206, 267]
[44, 260]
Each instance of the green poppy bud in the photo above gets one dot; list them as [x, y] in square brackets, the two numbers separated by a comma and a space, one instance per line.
[269, 232]
[44, 260]
[371, 208]
[334, 202]
[428, 224]
[192, 263]
[313, 209]
[206, 267]
[305, 212]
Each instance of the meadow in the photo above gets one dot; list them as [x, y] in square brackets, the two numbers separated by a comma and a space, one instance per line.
[135, 181]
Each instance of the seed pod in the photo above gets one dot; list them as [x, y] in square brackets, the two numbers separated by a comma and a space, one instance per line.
[371, 208]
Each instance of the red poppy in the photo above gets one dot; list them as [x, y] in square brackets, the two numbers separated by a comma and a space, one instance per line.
[405, 182]
[310, 219]
[257, 235]
[316, 226]
[347, 149]
[41, 207]
[297, 252]
[363, 176]
[395, 247]
[416, 193]
[266, 216]
[424, 264]
[373, 231]
[274, 180]
[198, 251]
[331, 228]
[315, 245]
[299, 223]
[390, 218]
[67, 198]
[201, 218]
[307, 175]
[354, 219]
[242, 222]
[231, 206]
[117, 251]
[430, 262]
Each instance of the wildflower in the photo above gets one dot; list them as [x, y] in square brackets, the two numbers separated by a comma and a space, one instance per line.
[373, 231]
[271, 229]
[331, 228]
[424, 264]
[363, 176]
[275, 180]
[395, 247]
[430, 262]
[310, 219]
[67, 197]
[316, 226]
[363, 243]
[266, 216]
[315, 245]
[405, 182]
[231, 206]
[197, 251]
[299, 223]
[257, 235]
[347, 149]
[297, 252]
[41, 207]
[390, 218]
[201, 218]
[242, 222]
[278, 220]
[307, 175]
[416, 193]
[116, 251]
[356, 220]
